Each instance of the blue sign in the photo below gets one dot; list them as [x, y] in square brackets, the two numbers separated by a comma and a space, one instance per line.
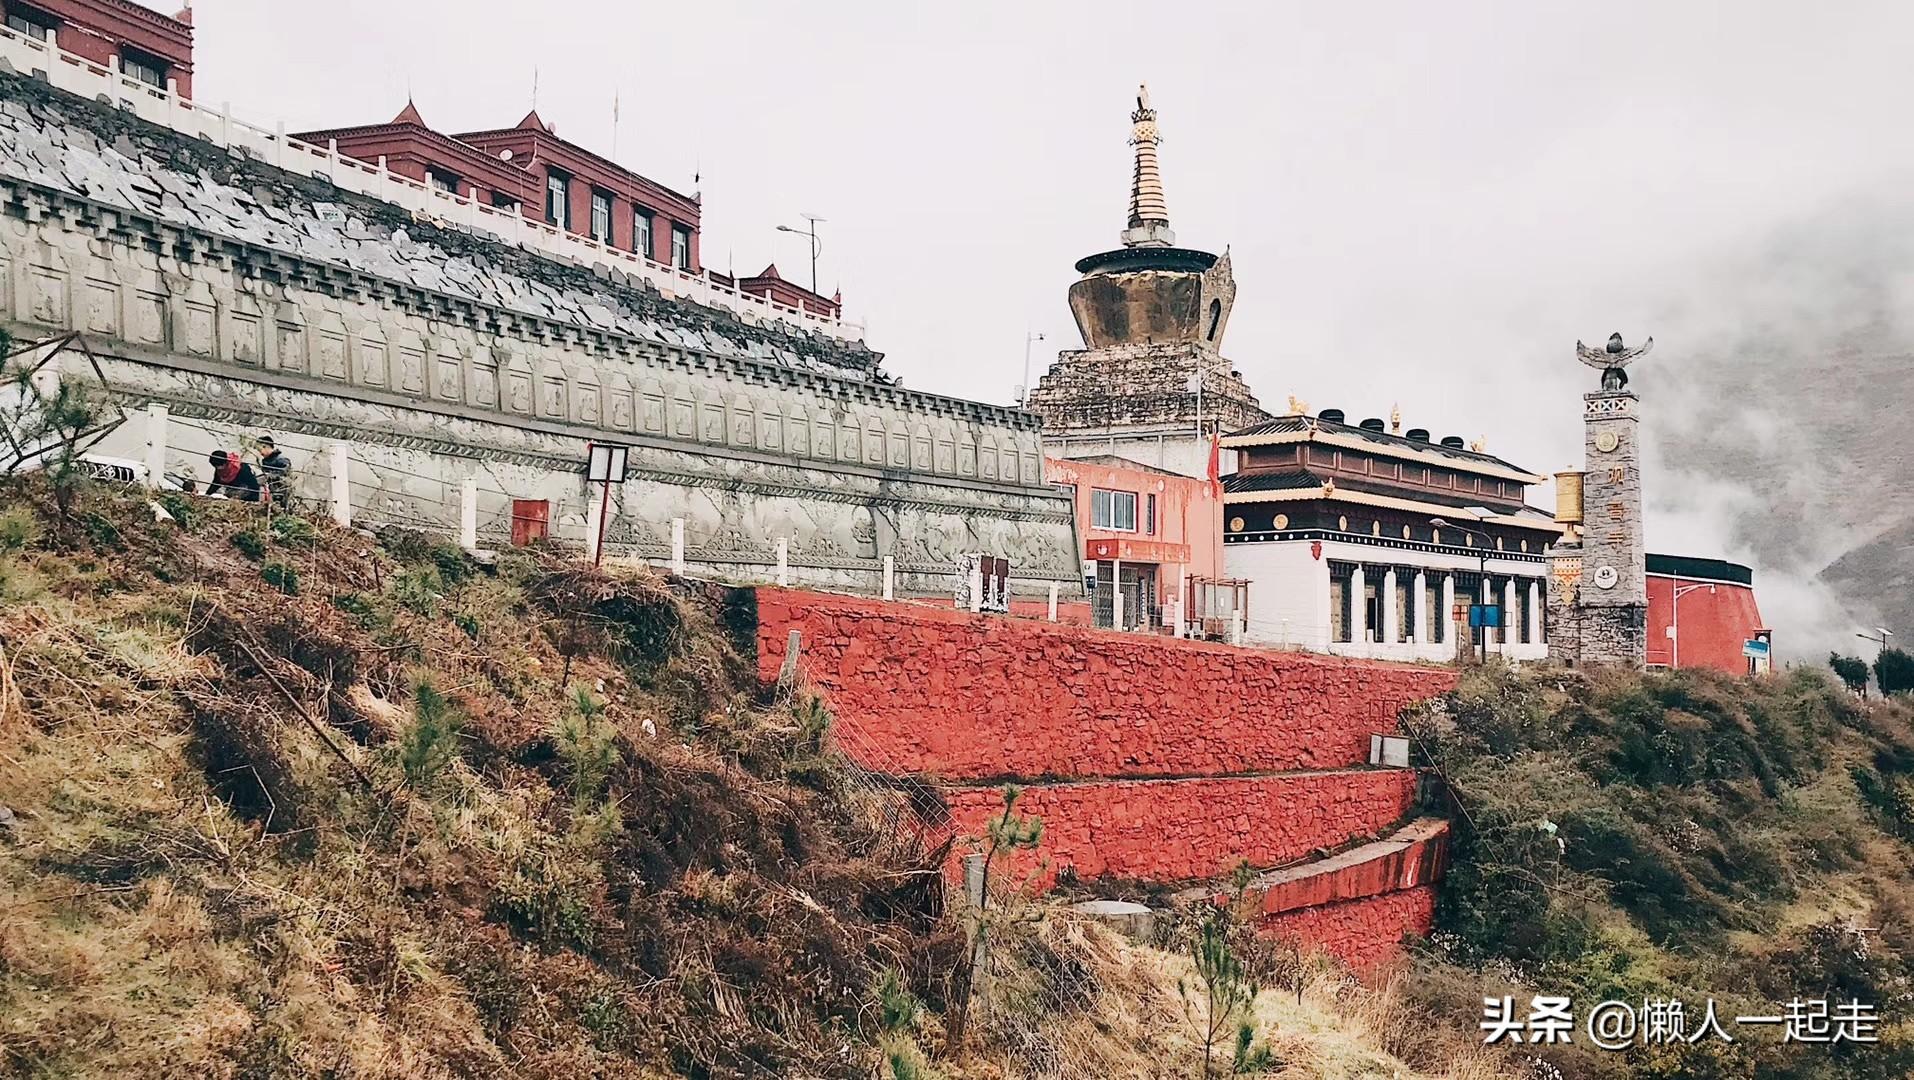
[1757, 649]
[1485, 615]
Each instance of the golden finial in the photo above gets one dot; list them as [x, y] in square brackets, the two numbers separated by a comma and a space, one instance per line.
[1480, 444]
[1395, 419]
[1297, 406]
[1329, 487]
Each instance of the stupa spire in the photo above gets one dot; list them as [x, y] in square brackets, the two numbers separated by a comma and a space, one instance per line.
[1149, 213]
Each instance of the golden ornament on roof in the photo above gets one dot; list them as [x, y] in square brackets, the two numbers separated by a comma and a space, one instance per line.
[1297, 406]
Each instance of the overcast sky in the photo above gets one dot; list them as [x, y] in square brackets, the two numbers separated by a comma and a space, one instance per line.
[1426, 203]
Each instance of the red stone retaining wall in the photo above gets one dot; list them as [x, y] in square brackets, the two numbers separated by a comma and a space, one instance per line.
[1183, 830]
[970, 697]
[1360, 933]
[1154, 760]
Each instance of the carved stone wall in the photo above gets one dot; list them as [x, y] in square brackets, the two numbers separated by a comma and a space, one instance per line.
[234, 293]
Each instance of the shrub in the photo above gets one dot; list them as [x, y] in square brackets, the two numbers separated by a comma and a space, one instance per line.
[1851, 670]
[293, 529]
[418, 590]
[281, 576]
[429, 744]
[897, 1007]
[467, 623]
[588, 747]
[19, 530]
[178, 507]
[250, 544]
[1894, 671]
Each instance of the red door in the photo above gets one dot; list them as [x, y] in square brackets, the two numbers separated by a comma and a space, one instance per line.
[531, 520]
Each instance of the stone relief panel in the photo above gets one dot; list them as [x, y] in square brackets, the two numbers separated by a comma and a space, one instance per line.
[246, 331]
[408, 354]
[290, 356]
[744, 423]
[99, 306]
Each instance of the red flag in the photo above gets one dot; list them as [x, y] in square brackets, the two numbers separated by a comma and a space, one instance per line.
[1216, 465]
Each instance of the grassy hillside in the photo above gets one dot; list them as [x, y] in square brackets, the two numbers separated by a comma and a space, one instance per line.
[1684, 836]
[281, 800]
[287, 802]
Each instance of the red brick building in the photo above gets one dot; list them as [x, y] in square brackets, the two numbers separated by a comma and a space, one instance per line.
[153, 48]
[773, 287]
[1701, 613]
[548, 179]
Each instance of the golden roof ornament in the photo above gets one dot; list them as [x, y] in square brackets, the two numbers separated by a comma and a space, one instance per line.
[1395, 419]
[1480, 445]
[1297, 406]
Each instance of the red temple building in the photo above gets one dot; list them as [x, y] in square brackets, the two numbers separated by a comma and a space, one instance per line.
[1702, 613]
[527, 166]
[153, 48]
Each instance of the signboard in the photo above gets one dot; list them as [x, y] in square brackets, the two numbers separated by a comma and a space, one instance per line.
[1142, 551]
[1756, 649]
[607, 463]
[1489, 615]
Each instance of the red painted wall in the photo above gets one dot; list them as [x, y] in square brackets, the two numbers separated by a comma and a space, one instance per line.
[1716, 619]
[969, 697]
[1360, 933]
[1182, 830]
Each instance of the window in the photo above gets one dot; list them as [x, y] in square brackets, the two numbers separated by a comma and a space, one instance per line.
[681, 247]
[1216, 318]
[443, 181]
[1149, 515]
[504, 201]
[641, 232]
[557, 208]
[20, 24]
[601, 217]
[146, 69]
[1114, 510]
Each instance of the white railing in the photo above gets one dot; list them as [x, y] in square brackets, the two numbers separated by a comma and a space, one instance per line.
[165, 106]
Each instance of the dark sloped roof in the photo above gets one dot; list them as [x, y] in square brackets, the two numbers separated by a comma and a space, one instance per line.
[1284, 424]
[1271, 481]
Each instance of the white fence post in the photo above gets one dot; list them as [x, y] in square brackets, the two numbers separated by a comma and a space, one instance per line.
[784, 562]
[594, 517]
[155, 444]
[342, 484]
[1116, 608]
[468, 514]
[678, 546]
[890, 578]
[976, 584]
[1053, 601]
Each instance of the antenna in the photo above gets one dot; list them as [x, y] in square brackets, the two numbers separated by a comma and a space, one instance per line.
[614, 124]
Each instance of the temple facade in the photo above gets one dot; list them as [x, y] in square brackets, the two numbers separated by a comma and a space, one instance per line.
[1364, 540]
[1151, 384]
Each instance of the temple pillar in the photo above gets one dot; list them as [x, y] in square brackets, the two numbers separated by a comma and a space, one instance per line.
[1418, 600]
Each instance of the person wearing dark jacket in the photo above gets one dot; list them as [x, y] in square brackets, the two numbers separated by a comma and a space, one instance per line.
[275, 471]
[232, 477]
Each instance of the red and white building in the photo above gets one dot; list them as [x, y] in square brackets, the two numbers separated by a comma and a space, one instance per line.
[1702, 614]
[1152, 542]
[145, 45]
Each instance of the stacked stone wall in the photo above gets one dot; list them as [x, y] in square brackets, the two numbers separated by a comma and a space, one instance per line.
[978, 698]
[1183, 830]
[1149, 760]
[1361, 933]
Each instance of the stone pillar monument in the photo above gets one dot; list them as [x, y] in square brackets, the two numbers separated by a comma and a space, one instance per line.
[1613, 592]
